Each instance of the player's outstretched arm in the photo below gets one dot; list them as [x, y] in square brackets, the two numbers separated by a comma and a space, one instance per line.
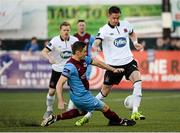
[95, 47]
[137, 45]
[105, 66]
[59, 89]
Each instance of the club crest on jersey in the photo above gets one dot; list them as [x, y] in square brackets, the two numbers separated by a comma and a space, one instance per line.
[120, 42]
[86, 40]
[66, 54]
[125, 30]
[84, 64]
[83, 76]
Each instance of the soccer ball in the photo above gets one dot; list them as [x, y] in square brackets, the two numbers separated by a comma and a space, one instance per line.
[128, 102]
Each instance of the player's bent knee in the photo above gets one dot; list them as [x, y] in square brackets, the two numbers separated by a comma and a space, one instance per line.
[105, 90]
[52, 92]
[105, 108]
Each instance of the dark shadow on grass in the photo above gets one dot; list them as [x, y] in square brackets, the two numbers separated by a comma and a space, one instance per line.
[18, 123]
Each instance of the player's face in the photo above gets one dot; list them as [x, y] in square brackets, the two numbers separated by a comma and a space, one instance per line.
[34, 41]
[65, 31]
[81, 26]
[114, 18]
[83, 53]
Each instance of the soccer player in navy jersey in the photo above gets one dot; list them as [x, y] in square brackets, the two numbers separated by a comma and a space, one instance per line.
[75, 73]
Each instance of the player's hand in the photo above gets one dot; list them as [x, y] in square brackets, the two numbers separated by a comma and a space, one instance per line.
[139, 47]
[61, 104]
[118, 70]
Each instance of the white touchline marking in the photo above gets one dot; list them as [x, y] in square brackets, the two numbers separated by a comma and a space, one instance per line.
[146, 98]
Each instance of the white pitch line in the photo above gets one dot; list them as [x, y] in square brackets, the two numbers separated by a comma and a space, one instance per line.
[146, 98]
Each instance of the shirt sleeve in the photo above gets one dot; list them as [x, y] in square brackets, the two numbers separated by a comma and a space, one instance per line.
[68, 70]
[88, 60]
[100, 34]
[76, 39]
[91, 40]
[50, 45]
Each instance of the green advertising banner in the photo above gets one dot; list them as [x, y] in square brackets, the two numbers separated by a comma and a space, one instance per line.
[94, 15]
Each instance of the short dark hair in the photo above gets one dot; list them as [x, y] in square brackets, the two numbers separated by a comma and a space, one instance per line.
[64, 24]
[114, 9]
[33, 38]
[78, 46]
[81, 20]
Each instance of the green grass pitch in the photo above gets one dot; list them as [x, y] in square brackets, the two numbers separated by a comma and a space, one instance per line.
[22, 112]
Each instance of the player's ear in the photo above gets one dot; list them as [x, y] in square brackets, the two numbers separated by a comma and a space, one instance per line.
[77, 52]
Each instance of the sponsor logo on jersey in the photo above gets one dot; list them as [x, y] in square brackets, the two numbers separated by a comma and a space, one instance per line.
[84, 64]
[120, 42]
[86, 40]
[66, 54]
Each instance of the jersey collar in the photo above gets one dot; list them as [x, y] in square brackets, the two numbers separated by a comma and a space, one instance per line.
[63, 39]
[112, 25]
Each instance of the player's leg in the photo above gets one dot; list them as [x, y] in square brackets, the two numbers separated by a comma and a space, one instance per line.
[70, 105]
[64, 116]
[49, 103]
[109, 79]
[105, 90]
[51, 93]
[114, 119]
[96, 104]
[137, 94]
[101, 95]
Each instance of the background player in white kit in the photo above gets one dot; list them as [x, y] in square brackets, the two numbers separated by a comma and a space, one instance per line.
[114, 37]
[58, 51]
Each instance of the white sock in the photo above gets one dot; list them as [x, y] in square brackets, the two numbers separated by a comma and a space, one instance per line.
[88, 115]
[70, 105]
[49, 102]
[100, 96]
[137, 94]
